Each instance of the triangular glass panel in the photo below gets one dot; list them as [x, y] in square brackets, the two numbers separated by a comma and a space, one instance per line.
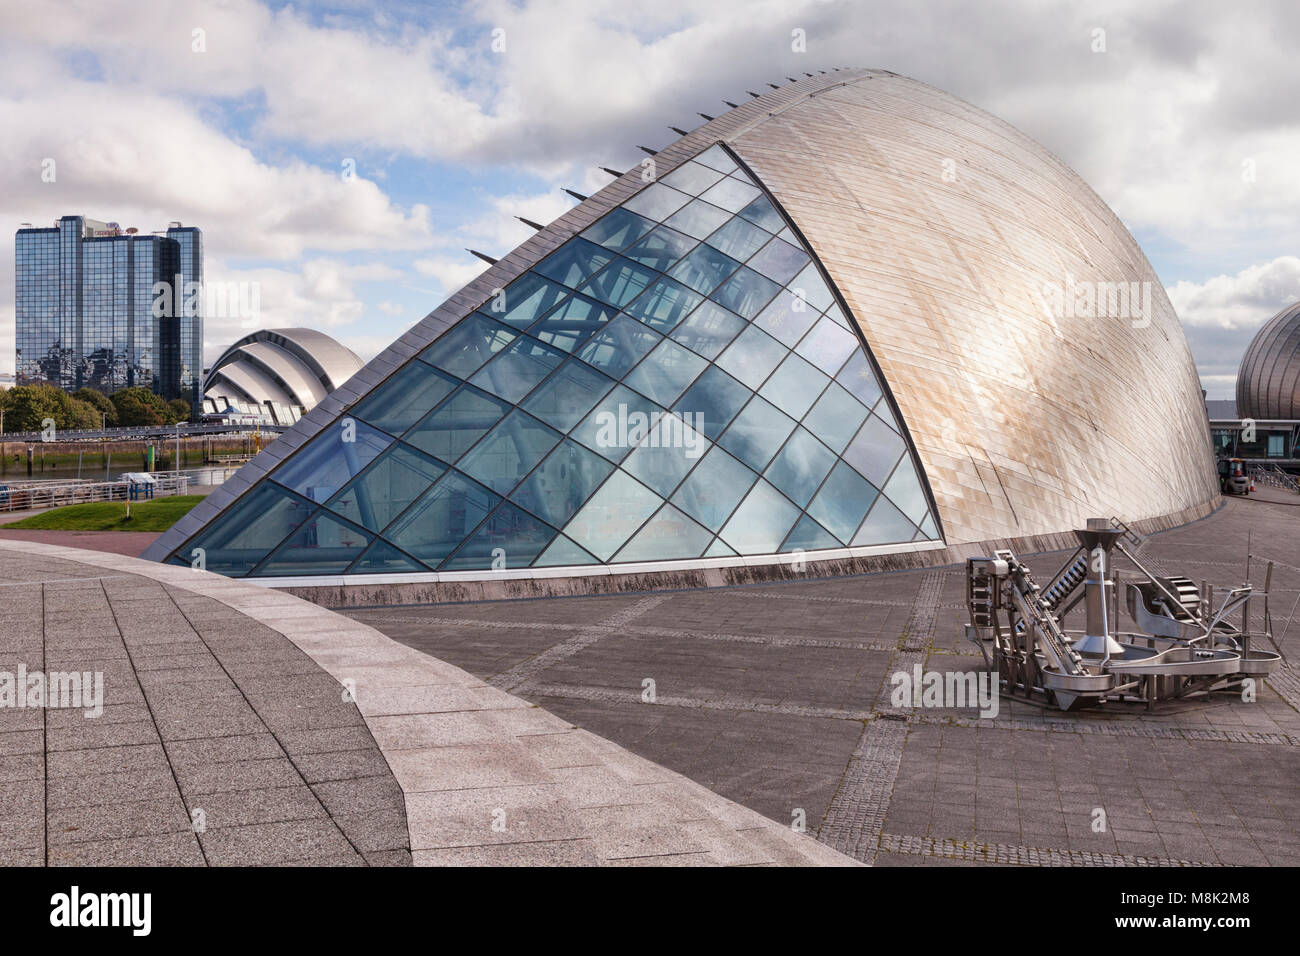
[510, 538]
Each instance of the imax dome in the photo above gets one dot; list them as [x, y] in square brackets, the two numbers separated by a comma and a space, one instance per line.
[282, 372]
[851, 320]
[1268, 382]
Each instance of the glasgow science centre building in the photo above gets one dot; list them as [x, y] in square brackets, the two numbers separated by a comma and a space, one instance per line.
[817, 331]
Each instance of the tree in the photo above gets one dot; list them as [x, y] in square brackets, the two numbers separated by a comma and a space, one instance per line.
[139, 406]
[28, 406]
[179, 409]
[102, 403]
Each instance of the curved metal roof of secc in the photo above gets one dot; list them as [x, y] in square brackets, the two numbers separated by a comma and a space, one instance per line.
[286, 366]
[1268, 381]
[1039, 373]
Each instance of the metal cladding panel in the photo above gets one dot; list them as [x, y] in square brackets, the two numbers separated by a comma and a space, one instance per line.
[946, 230]
[1025, 422]
[1268, 382]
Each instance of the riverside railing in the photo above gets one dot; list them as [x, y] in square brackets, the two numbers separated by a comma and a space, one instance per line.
[31, 495]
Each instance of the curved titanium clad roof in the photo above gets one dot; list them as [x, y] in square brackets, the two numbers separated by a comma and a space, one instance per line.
[1268, 382]
[986, 354]
[283, 366]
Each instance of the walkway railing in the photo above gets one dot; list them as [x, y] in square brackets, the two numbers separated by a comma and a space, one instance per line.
[1275, 477]
[143, 431]
[29, 495]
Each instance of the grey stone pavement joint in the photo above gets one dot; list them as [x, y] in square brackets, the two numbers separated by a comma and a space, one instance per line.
[856, 816]
[637, 630]
[462, 754]
[525, 671]
[1013, 855]
[1115, 729]
[713, 702]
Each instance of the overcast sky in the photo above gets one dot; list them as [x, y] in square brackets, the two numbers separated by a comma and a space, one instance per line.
[1187, 124]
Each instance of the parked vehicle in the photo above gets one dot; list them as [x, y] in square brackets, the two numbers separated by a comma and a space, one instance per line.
[1233, 479]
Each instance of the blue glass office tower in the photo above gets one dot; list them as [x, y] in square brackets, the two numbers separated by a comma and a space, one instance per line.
[85, 304]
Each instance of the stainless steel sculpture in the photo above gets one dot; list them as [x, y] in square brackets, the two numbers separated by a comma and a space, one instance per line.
[1268, 381]
[1181, 644]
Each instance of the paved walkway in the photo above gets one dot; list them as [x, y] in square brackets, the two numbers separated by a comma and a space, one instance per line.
[776, 696]
[244, 726]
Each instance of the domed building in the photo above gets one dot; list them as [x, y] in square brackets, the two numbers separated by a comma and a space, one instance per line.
[276, 375]
[1268, 381]
[852, 323]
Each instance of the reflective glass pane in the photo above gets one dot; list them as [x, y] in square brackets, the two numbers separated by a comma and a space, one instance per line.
[827, 346]
[382, 558]
[559, 485]
[763, 213]
[746, 292]
[436, 524]
[618, 423]
[564, 398]
[779, 261]
[714, 488]
[574, 262]
[562, 552]
[613, 515]
[761, 522]
[664, 304]
[518, 368]
[752, 356]
[884, 525]
[859, 379]
[509, 452]
[572, 322]
[800, 467]
[667, 536]
[670, 450]
[691, 177]
[524, 300]
[835, 418]
[708, 329]
[886, 415]
[808, 535]
[510, 538]
[657, 202]
[719, 549]
[467, 345]
[904, 490]
[620, 282]
[698, 218]
[731, 194]
[323, 545]
[739, 239]
[619, 346]
[665, 372]
[243, 534]
[384, 490]
[661, 248]
[928, 529]
[842, 502]
[874, 451]
[794, 386]
[618, 229]
[331, 459]
[813, 287]
[757, 434]
[713, 401]
[405, 398]
[715, 157]
[787, 317]
[704, 269]
[463, 419]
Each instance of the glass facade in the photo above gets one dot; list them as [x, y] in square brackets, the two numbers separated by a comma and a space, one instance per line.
[84, 300]
[678, 382]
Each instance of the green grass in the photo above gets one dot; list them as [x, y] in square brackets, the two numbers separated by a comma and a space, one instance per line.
[156, 515]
